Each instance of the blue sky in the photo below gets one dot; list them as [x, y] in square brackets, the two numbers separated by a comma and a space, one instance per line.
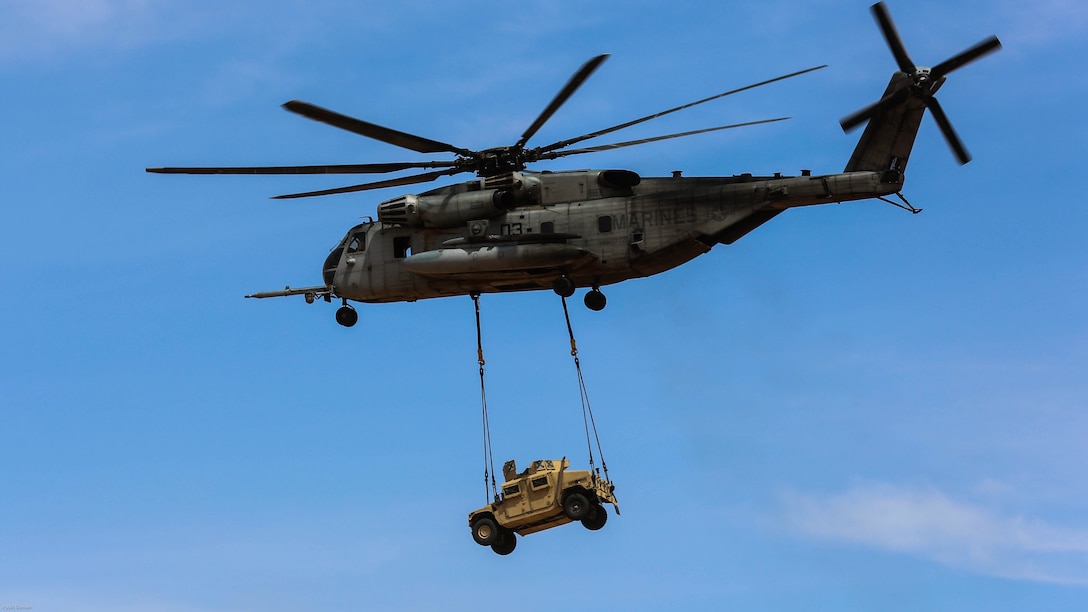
[852, 408]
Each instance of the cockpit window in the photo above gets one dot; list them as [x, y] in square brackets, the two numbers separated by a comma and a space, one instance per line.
[357, 243]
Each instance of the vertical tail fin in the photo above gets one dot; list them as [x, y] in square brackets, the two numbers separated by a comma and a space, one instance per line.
[889, 137]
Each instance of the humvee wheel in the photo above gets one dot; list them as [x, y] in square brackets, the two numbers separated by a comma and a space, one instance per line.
[506, 542]
[576, 506]
[596, 518]
[485, 531]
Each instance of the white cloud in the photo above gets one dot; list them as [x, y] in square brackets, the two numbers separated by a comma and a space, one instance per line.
[928, 524]
[39, 26]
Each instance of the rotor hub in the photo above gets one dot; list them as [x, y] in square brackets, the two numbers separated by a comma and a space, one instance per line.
[498, 160]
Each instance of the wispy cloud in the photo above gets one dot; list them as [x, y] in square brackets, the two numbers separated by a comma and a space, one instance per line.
[43, 29]
[35, 27]
[1045, 21]
[928, 524]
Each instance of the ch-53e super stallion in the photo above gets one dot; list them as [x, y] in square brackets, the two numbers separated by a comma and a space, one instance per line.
[512, 229]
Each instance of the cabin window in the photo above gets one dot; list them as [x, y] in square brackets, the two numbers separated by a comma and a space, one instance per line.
[548, 227]
[402, 246]
[604, 224]
[540, 482]
[511, 489]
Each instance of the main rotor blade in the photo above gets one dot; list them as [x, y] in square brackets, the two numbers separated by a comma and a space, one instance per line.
[568, 90]
[396, 182]
[566, 143]
[891, 35]
[950, 135]
[985, 47]
[326, 169]
[370, 130]
[629, 143]
[852, 121]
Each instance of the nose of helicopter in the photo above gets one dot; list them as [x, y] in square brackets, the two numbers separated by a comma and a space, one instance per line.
[328, 271]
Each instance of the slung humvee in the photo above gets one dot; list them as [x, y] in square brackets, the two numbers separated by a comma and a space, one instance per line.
[543, 496]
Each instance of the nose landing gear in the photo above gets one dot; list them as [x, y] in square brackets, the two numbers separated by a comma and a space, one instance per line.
[346, 315]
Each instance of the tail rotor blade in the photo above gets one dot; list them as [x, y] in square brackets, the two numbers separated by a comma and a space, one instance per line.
[950, 136]
[891, 35]
[852, 121]
[985, 47]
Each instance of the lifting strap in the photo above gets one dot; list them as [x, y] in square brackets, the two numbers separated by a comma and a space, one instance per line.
[489, 459]
[587, 410]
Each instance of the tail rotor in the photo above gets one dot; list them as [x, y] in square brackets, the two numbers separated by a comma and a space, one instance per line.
[919, 82]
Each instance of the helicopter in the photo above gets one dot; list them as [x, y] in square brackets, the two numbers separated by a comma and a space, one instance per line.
[514, 229]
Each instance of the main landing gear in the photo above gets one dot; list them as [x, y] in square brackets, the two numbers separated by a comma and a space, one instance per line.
[563, 287]
[594, 300]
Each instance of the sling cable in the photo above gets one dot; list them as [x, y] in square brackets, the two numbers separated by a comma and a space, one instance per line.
[589, 422]
[489, 458]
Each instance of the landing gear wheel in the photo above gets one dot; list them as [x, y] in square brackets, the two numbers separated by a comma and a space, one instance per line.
[595, 300]
[596, 518]
[576, 506]
[563, 286]
[485, 531]
[506, 543]
[346, 316]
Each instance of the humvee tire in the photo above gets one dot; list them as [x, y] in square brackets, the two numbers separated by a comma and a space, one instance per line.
[596, 518]
[505, 543]
[576, 506]
[485, 531]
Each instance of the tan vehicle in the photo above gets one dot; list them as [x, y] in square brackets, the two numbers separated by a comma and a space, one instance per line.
[544, 496]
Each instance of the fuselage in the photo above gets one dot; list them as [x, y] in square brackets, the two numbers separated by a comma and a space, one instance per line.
[594, 227]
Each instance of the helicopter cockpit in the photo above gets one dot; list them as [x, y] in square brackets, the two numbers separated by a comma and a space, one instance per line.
[353, 242]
